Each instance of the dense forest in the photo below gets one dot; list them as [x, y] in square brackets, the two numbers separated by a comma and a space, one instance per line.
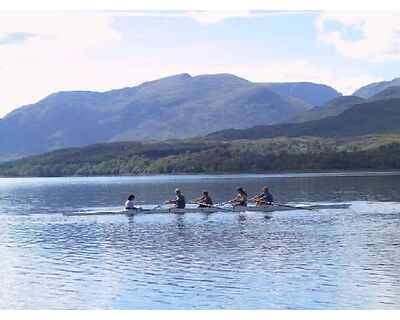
[199, 156]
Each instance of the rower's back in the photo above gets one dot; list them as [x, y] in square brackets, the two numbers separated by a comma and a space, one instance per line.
[180, 201]
[207, 200]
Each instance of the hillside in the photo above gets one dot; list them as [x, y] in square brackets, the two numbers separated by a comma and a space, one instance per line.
[179, 106]
[332, 108]
[313, 95]
[374, 88]
[388, 93]
[199, 156]
[339, 104]
[382, 116]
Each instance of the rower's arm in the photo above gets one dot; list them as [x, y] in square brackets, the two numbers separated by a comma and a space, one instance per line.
[256, 197]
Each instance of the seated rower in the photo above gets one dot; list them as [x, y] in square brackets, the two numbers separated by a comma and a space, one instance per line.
[240, 199]
[129, 204]
[179, 200]
[264, 198]
[204, 201]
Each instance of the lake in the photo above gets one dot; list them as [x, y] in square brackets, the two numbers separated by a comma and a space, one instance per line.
[327, 259]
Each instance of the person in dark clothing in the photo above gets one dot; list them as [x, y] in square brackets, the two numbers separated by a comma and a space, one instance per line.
[204, 201]
[179, 200]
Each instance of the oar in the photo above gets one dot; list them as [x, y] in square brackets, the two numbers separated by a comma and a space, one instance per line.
[212, 206]
[223, 203]
[292, 207]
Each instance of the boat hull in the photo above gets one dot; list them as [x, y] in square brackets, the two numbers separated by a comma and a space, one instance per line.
[261, 209]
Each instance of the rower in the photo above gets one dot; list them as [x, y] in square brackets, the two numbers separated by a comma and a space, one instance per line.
[264, 198]
[129, 204]
[204, 201]
[179, 200]
[240, 199]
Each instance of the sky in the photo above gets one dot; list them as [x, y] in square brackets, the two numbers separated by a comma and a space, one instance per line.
[42, 53]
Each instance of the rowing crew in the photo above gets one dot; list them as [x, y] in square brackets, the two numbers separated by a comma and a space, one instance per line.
[205, 201]
[262, 199]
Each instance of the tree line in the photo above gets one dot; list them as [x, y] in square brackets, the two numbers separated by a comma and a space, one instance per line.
[205, 157]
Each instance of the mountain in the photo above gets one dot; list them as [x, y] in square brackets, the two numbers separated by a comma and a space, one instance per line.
[313, 94]
[388, 93]
[382, 116]
[332, 108]
[179, 106]
[337, 105]
[372, 89]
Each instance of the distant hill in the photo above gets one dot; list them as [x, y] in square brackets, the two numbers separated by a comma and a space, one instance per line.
[179, 106]
[372, 89]
[388, 93]
[332, 108]
[315, 95]
[337, 105]
[382, 116]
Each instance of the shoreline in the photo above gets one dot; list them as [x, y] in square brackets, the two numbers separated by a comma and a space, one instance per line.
[230, 173]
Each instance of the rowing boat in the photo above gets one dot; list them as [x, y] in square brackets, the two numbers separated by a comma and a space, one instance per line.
[265, 209]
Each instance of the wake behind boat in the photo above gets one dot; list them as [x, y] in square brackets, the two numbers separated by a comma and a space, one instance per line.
[212, 209]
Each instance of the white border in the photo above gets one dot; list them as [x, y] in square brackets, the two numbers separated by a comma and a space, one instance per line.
[207, 5]
[200, 315]
[220, 5]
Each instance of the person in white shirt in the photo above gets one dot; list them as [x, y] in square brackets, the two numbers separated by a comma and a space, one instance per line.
[129, 204]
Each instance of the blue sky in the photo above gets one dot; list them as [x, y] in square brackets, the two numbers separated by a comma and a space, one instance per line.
[46, 52]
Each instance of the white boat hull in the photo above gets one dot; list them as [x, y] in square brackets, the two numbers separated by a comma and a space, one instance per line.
[261, 209]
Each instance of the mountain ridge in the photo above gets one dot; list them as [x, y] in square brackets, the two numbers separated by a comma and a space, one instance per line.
[307, 92]
[373, 88]
[375, 117]
[332, 108]
[178, 106]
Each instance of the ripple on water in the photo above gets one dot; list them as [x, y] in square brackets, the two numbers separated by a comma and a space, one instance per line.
[295, 260]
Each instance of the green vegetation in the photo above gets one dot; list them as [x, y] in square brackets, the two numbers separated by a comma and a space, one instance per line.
[199, 156]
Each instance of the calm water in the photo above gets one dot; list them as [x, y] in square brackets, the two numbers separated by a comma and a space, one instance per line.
[330, 259]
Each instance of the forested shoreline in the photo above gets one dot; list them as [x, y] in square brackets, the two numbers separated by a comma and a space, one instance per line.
[200, 156]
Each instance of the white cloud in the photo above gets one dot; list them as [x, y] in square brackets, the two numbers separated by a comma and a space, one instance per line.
[52, 59]
[380, 38]
[201, 16]
[205, 17]
[209, 17]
